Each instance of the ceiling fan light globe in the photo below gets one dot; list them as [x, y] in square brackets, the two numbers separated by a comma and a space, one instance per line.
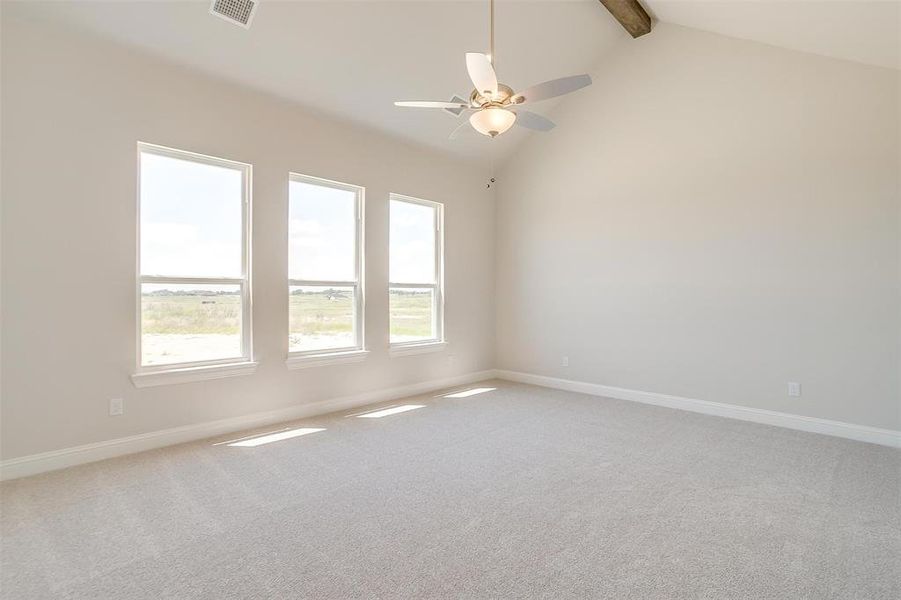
[492, 121]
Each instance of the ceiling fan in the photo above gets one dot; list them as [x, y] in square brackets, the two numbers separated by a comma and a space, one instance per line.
[496, 106]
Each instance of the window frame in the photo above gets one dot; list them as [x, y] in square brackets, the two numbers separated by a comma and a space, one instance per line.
[244, 282]
[313, 357]
[439, 341]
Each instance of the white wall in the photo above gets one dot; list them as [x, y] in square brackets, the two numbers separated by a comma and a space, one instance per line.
[72, 111]
[712, 219]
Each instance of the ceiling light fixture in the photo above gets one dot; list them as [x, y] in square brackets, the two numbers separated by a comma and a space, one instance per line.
[496, 106]
[492, 121]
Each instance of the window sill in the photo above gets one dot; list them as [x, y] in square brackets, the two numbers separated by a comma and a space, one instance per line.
[304, 361]
[189, 374]
[420, 348]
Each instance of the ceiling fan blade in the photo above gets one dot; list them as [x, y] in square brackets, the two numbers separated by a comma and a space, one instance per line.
[481, 72]
[530, 120]
[463, 129]
[424, 104]
[552, 89]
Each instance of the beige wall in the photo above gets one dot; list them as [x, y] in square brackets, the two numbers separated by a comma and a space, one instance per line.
[72, 111]
[712, 219]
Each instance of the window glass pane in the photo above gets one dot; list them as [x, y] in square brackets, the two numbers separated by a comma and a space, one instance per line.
[412, 314]
[322, 233]
[188, 323]
[190, 218]
[412, 243]
[321, 318]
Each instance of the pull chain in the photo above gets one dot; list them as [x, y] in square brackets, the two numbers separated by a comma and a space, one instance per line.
[491, 156]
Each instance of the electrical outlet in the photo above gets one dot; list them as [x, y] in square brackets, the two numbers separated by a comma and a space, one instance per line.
[116, 407]
[794, 389]
[564, 362]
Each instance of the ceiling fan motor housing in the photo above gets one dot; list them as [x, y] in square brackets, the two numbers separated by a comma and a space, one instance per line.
[504, 93]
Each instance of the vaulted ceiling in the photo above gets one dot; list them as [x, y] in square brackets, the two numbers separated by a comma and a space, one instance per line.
[353, 59]
[865, 31]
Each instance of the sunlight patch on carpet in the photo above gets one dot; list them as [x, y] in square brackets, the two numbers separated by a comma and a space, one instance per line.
[378, 414]
[268, 438]
[469, 392]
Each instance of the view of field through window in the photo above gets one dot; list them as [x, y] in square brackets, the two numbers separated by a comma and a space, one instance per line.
[411, 315]
[192, 273]
[185, 323]
[413, 272]
[321, 318]
[191, 258]
[322, 265]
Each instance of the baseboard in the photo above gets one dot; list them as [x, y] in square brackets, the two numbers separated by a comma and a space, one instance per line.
[68, 457]
[861, 433]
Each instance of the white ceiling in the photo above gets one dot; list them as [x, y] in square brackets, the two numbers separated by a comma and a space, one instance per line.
[865, 31]
[353, 59]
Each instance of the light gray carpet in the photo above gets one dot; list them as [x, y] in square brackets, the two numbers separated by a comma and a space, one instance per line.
[521, 492]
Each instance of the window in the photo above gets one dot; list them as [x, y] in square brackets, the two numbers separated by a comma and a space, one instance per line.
[325, 265]
[415, 288]
[193, 256]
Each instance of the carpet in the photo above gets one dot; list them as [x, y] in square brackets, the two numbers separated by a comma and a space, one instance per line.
[512, 492]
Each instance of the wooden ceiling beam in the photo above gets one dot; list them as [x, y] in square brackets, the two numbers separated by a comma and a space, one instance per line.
[631, 15]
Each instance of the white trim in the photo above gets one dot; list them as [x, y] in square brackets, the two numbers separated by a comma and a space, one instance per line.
[188, 374]
[303, 361]
[412, 286]
[437, 286]
[67, 457]
[320, 283]
[359, 283]
[411, 348]
[851, 431]
[243, 283]
[191, 280]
